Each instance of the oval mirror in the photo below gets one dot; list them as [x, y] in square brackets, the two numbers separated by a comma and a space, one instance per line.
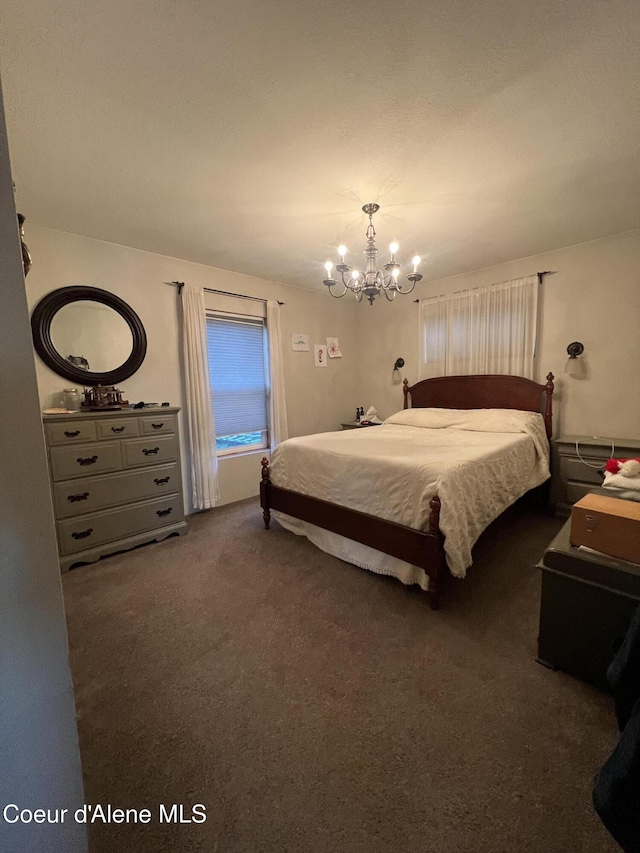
[88, 335]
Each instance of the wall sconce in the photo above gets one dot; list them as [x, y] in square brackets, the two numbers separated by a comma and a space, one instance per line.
[396, 378]
[575, 366]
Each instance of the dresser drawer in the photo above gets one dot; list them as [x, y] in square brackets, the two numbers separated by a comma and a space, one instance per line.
[149, 451]
[78, 497]
[117, 428]
[85, 460]
[158, 424]
[89, 531]
[71, 432]
[574, 469]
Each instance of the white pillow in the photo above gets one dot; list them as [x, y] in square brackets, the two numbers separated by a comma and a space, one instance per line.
[478, 420]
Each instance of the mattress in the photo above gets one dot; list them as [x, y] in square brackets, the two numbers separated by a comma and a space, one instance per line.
[478, 463]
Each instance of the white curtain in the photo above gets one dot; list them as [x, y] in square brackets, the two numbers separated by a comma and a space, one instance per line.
[201, 429]
[485, 330]
[278, 429]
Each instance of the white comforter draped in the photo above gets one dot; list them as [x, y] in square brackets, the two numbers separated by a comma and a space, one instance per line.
[478, 462]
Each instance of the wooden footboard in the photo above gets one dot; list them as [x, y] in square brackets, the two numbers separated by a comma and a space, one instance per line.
[423, 549]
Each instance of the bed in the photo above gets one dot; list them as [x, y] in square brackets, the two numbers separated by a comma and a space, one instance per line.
[388, 498]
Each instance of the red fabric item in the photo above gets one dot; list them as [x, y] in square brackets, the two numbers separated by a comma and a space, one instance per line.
[613, 465]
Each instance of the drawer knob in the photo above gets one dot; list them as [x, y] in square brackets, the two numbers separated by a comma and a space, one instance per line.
[158, 426]
[161, 512]
[72, 433]
[89, 460]
[117, 429]
[150, 451]
[160, 481]
[82, 534]
[73, 498]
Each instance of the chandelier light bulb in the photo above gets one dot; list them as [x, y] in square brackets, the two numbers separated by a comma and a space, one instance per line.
[415, 260]
[342, 251]
[395, 272]
[393, 248]
[328, 266]
[355, 274]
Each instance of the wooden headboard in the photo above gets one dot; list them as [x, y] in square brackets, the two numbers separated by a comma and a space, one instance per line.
[489, 391]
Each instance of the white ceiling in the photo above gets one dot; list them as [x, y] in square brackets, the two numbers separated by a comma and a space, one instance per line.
[246, 134]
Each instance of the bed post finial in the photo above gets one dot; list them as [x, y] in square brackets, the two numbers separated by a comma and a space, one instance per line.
[548, 390]
[405, 390]
[264, 492]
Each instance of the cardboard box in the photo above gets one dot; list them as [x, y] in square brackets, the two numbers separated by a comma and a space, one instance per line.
[608, 525]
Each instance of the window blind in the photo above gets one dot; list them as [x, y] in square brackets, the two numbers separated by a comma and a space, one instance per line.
[237, 373]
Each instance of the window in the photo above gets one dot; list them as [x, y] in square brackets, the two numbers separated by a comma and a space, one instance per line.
[238, 374]
[484, 330]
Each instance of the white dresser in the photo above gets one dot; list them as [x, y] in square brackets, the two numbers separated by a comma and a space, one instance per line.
[116, 480]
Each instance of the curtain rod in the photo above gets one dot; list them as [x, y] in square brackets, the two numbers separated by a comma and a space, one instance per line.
[539, 274]
[180, 285]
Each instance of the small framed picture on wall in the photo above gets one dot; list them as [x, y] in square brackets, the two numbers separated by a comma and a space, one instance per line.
[333, 348]
[320, 355]
[300, 343]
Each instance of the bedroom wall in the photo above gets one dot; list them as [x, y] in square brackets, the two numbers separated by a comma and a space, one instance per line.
[318, 399]
[38, 733]
[592, 296]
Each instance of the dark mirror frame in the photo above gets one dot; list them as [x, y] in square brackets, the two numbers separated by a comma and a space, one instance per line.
[42, 318]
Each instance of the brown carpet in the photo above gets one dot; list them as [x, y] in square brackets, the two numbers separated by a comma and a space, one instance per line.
[312, 706]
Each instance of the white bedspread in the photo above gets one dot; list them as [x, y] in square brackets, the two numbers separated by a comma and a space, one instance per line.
[478, 462]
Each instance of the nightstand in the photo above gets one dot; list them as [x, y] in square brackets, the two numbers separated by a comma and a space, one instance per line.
[572, 478]
[357, 425]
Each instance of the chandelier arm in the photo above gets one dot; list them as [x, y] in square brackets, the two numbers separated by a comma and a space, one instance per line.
[385, 290]
[338, 295]
[355, 285]
[390, 282]
[347, 282]
[405, 292]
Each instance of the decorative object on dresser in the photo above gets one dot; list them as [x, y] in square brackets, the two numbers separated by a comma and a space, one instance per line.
[116, 480]
[578, 465]
[71, 400]
[100, 397]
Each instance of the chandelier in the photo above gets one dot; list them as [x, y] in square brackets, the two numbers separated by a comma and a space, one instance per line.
[372, 282]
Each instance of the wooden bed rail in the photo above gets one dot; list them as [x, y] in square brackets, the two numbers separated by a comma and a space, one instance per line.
[420, 548]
